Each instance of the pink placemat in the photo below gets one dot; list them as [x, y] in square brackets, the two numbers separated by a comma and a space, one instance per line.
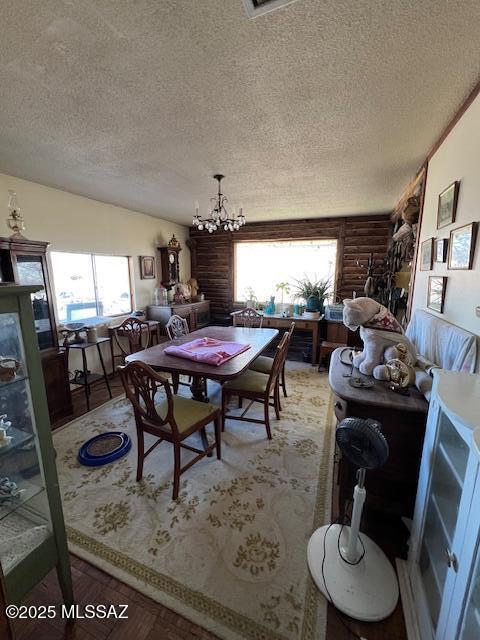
[207, 350]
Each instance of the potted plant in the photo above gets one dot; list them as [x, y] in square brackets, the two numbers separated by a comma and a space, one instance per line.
[284, 288]
[313, 292]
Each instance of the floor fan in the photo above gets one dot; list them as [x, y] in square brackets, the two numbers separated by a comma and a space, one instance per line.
[349, 568]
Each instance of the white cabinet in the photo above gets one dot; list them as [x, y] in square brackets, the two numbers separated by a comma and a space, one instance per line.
[443, 569]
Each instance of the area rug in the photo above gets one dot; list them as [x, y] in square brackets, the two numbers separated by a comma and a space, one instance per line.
[230, 553]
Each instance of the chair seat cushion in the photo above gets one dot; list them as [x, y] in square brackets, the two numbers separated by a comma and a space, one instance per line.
[252, 381]
[186, 412]
[262, 364]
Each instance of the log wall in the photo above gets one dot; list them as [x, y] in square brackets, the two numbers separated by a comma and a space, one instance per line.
[212, 255]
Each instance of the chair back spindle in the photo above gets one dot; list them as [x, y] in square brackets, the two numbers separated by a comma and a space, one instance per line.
[177, 327]
[248, 318]
[137, 333]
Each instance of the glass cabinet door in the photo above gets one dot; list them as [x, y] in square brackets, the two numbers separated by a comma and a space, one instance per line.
[30, 271]
[448, 476]
[471, 622]
[24, 512]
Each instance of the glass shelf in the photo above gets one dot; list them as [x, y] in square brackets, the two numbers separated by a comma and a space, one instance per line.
[13, 381]
[23, 531]
[30, 491]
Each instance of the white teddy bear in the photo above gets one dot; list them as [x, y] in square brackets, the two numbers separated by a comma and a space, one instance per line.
[382, 335]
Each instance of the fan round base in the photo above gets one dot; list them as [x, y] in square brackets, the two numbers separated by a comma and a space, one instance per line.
[365, 591]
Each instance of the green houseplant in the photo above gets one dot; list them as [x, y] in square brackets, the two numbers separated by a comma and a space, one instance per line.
[313, 291]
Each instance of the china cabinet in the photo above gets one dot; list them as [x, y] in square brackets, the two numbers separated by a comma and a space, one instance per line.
[25, 262]
[32, 530]
[442, 575]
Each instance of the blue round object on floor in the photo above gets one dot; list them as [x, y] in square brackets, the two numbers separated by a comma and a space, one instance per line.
[104, 448]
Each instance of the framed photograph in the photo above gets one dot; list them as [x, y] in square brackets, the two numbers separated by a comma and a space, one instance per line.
[426, 255]
[462, 246]
[441, 249]
[437, 286]
[147, 267]
[447, 205]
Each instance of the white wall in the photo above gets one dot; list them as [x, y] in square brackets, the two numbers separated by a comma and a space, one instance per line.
[458, 158]
[74, 223]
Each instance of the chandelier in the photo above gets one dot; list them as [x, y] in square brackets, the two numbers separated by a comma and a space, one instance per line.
[218, 216]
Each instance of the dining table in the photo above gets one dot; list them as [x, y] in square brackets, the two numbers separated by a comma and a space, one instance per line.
[257, 339]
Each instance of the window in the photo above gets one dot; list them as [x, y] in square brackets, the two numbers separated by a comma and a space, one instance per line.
[260, 266]
[89, 286]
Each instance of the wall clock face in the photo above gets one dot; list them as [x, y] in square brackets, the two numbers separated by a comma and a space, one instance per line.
[171, 257]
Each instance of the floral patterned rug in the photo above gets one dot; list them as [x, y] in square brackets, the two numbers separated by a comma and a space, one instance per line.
[230, 553]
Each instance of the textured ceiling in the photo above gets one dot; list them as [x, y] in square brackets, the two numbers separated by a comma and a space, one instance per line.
[323, 107]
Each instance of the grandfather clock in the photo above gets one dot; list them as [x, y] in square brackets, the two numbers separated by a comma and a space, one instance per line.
[169, 262]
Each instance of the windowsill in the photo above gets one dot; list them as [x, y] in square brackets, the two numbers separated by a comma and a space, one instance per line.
[96, 321]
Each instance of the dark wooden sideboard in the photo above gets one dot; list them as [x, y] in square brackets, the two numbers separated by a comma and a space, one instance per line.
[392, 488]
[197, 314]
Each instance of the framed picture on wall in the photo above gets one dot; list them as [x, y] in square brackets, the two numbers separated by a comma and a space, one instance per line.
[437, 286]
[447, 205]
[426, 255]
[462, 246]
[147, 267]
[441, 249]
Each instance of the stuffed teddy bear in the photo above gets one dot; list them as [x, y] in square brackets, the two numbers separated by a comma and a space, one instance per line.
[380, 331]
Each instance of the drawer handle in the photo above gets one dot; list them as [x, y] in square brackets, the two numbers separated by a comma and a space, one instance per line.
[452, 561]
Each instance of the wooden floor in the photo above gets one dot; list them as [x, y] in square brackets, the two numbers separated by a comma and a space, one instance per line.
[149, 620]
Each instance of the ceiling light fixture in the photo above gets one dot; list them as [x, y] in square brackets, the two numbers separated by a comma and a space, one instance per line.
[219, 217]
[255, 8]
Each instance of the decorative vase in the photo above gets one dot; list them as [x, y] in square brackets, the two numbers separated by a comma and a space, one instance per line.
[313, 303]
[270, 308]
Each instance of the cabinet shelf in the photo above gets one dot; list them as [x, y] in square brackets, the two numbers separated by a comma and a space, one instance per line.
[452, 459]
[14, 380]
[30, 491]
[438, 502]
[91, 378]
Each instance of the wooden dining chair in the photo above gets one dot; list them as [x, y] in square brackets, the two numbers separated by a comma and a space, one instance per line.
[173, 419]
[248, 317]
[177, 327]
[257, 387]
[264, 364]
[137, 333]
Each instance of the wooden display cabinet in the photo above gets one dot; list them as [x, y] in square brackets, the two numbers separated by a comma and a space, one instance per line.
[32, 528]
[24, 262]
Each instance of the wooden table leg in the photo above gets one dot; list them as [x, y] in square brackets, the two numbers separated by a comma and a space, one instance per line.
[104, 370]
[85, 379]
[198, 388]
[110, 335]
[315, 343]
